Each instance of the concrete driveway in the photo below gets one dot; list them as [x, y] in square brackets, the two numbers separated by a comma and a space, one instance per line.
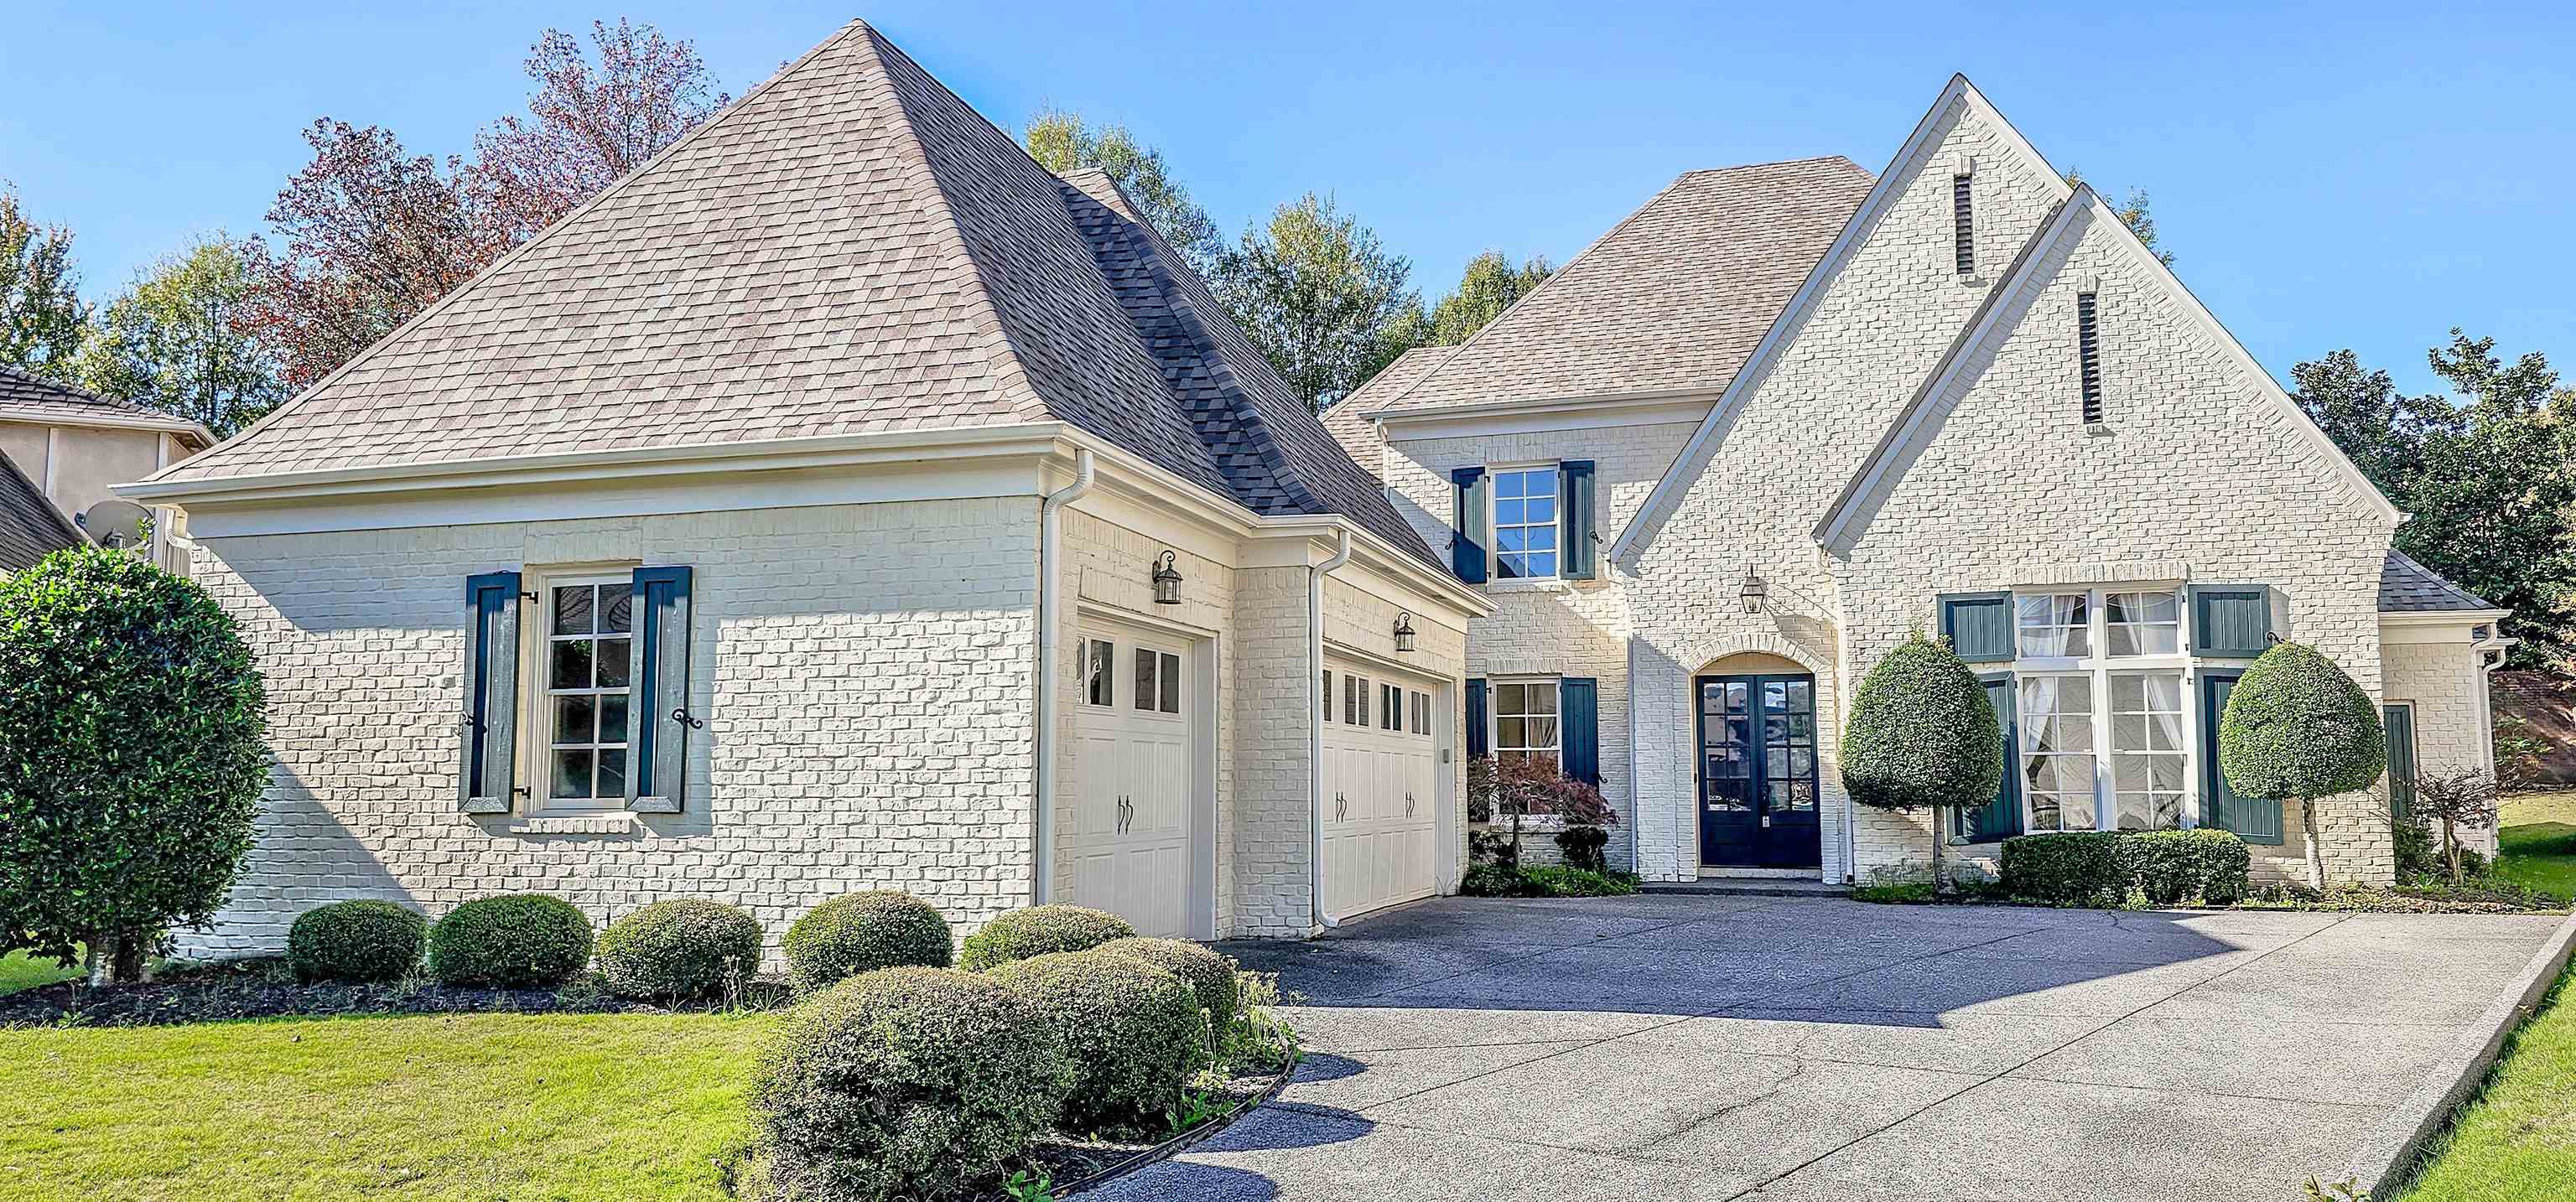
[1806, 1050]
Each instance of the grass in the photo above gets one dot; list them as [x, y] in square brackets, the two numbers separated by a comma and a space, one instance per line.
[2537, 843]
[20, 971]
[2516, 1142]
[518, 1107]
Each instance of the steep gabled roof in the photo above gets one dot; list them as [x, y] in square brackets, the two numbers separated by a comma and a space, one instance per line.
[2406, 586]
[32, 398]
[1347, 419]
[30, 526]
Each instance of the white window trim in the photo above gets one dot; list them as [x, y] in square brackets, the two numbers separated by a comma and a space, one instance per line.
[1494, 577]
[2101, 666]
[1494, 712]
[536, 714]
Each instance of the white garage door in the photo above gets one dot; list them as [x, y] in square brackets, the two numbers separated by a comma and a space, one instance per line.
[1128, 840]
[1381, 809]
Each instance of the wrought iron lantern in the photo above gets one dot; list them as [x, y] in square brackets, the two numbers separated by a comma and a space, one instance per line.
[1753, 591]
[1167, 581]
[1404, 632]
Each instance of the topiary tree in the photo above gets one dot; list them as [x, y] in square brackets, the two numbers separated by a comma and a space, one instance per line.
[2297, 728]
[1922, 736]
[131, 762]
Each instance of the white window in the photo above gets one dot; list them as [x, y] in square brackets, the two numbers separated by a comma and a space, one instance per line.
[1355, 700]
[1096, 682]
[2142, 623]
[2101, 684]
[1525, 722]
[2057, 774]
[1525, 523]
[2054, 625]
[1422, 713]
[2148, 753]
[1158, 681]
[586, 660]
[1390, 707]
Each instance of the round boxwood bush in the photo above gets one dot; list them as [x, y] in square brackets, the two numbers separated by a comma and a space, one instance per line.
[904, 1083]
[1130, 1029]
[863, 932]
[683, 948]
[1039, 931]
[516, 941]
[1209, 974]
[356, 941]
[1922, 736]
[2297, 728]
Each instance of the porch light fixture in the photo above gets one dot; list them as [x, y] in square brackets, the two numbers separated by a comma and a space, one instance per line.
[1753, 590]
[1167, 581]
[1404, 632]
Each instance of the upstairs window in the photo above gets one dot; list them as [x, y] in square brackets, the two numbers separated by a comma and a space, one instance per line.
[1963, 224]
[2088, 353]
[1525, 523]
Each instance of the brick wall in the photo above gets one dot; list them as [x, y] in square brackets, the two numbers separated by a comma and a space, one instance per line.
[2447, 685]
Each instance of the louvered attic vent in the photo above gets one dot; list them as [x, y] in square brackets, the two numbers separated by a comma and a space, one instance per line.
[2088, 350]
[1963, 224]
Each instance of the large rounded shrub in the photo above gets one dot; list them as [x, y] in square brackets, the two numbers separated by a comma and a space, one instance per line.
[517, 941]
[1039, 931]
[1922, 736]
[863, 932]
[683, 948]
[131, 720]
[2297, 728]
[356, 941]
[1209, 974]
[904, 1083]
[1131, 1030]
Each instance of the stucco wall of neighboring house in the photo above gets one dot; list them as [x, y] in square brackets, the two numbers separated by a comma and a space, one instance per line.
[864, 672]
[2448, 686]
[24, 444]
[1869, 334]
[2200, 476]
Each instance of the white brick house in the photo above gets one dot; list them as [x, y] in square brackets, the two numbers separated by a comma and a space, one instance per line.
[1784, 415]
[788, 521]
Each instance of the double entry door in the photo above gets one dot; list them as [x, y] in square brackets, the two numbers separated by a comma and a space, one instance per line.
[1757, 772]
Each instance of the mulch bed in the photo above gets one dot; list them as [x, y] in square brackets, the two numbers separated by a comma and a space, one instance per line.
[1081, 1164]
[251, 989]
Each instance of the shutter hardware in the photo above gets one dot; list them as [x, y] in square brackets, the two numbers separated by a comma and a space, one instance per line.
[682, 717]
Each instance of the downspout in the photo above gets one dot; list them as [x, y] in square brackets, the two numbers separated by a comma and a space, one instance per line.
[1315, 725]
[1050, 616]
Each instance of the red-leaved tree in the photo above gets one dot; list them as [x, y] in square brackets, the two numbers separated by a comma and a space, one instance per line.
[587, 126]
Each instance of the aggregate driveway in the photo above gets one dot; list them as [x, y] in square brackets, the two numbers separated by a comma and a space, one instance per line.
[1803, 1050]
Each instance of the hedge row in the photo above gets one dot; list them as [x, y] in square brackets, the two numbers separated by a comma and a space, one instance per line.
[2101, 867]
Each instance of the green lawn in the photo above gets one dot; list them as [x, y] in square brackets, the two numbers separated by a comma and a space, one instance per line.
[2538, 842]
[517, 1107]
[19, 971]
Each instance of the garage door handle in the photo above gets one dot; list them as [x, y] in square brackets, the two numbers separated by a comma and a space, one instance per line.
[1126, 811]
[1408, 805]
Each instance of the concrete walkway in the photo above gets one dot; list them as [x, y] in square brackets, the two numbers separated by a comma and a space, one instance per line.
[1806, 1050]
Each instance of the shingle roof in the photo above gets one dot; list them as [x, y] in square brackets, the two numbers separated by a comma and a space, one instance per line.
[1347, 419]
[30, 526]
[2407, 586]
[1674, 297]
[851, 248]
[34, 396]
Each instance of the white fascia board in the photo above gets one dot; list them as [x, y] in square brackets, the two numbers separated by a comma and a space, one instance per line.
[1668, 407]
[109, 421]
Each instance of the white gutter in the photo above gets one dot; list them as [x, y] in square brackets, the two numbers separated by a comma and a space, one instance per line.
[1050, 615]
[1315, 725]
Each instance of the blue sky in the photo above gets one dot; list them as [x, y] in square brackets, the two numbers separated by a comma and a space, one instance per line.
[2330, 175]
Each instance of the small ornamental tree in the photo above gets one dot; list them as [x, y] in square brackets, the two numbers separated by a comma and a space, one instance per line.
[1531, 786]
[131, 719]
[2297, 728]
[2456, 799]
[1922, 736]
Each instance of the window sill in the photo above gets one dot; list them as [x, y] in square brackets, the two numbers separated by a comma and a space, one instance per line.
[1535, 824]
[1528, 584]
[613, 822]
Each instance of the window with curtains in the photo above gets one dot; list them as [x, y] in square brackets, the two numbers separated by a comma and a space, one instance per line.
[2107, 733]
[1526, 719]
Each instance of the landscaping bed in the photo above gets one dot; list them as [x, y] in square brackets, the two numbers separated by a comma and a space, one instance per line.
[262, 989]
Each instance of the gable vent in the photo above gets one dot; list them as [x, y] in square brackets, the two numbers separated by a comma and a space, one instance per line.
[1963, 224]
[2088, 350]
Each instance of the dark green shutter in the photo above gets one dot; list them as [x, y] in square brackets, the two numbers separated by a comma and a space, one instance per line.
[2399, 722]
[1979, 626]
[2254, 819]
[1574, 519]
[2230, 619]
[657, 777]
[2001, 817]
[1578, 712]
[1471, 529]
[1477, 748]
[491, 720]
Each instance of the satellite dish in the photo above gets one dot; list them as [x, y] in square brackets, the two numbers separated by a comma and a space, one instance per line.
[115, 523]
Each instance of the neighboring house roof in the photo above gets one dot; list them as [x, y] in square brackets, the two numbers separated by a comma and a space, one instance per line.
[1347, 419]
[1673, 298]
[30, 526]
[2407, 586]
[848, 249]
[31, 398]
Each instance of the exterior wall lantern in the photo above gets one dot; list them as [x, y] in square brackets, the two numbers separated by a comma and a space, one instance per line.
[1753, 591]
[1167, 581]
[1404, 632]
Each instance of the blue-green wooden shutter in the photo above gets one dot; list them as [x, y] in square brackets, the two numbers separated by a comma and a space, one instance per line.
[1471, 530]
[490, 725]
[2399, 722]
[2001, 817]
[658, 772]
[1578, 713]
[1979, 626]
[2230, 619]
[1477, 748]
[1574, 556]
[2254, 819]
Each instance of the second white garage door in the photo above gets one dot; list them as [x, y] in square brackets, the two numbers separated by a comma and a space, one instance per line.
[1381, 810]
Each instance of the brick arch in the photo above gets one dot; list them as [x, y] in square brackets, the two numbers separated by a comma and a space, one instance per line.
[1766, 643]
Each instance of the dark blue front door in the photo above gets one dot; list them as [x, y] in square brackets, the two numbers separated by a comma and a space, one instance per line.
[1757, 772]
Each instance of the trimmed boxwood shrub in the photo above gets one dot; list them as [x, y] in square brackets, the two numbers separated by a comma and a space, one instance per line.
[863, 932]
[2297, 728]
[1922, 736]
[2075, 867]
[356, 941]
[904, 1083]
[683, 948]
[1131, 1030]
[2100, 867]
[2175, 866]
[1208, 973]
[516, 941]
[1039, 931]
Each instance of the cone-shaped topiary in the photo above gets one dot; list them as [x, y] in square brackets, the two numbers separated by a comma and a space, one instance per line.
[1130, 1028]
[1922, 736]
[1208, 973]
[862, 932]
[356, 941]
[1039, 930]
[683, 948]
[2297, 728]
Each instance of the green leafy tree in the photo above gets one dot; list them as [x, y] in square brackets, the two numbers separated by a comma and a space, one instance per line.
[171, 341]
[2297, 728]
[1489, 285]
[42, 319]
[131, 719]
[2133, 213]
[1315, 291]
[1922, 736]
[1060, 141]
